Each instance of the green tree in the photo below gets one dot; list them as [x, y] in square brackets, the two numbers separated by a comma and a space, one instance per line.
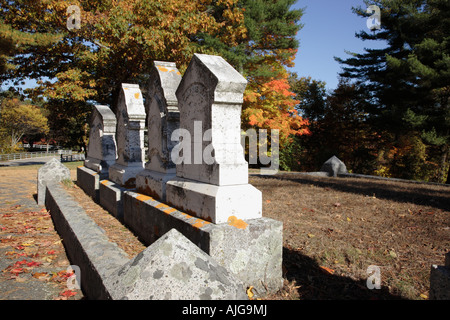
[407, 81]
[338, 125]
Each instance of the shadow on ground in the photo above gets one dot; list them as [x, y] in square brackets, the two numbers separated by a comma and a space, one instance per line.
[434, 196]
[316, 284]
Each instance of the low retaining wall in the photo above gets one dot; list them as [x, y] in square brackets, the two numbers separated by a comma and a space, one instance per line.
[171, 268]
[89, 180]
[250, 249]
[85, 242]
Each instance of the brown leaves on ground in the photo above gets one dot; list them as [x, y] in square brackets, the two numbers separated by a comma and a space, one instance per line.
[335, 228]
[29, 241]
[114, 229]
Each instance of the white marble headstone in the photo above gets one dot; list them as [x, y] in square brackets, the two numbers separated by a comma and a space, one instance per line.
[102, 141]
[212, 174]
[130, 116]
[163, 119]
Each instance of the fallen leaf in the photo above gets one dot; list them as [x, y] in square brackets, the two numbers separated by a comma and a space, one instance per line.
[268, 201]
[337, 204]
[327, 270]
[68, 293]
[348, 219]
[424, 296]
[16, 271]
[51, 252]
[310, 235]
[392, 254]
[250, 294]
[38, 275]
[33, 264]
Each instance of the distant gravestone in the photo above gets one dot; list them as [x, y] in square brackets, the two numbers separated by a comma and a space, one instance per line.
[52, 171]
[102, 141]
[130, 117]
[163, 119]
[173, 268]
[212, 174]
[334, 166]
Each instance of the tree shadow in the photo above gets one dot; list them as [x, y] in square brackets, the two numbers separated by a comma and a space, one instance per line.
[317, 284]
[433, 196]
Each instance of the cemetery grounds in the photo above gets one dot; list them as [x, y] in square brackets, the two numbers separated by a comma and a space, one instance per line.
[333, 230]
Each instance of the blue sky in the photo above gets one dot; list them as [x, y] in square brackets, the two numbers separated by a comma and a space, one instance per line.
[329, 29]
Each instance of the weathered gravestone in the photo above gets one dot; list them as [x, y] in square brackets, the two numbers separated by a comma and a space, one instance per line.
[52, 171]
[334, 166]
[102, 141]
[173, 268]
[102, 151]
[130, 116]
[212, 174]
[163, 119]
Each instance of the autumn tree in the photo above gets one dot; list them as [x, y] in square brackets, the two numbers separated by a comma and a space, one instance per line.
[116, 43]
[18, 118]
[269, 102]
[263, 56]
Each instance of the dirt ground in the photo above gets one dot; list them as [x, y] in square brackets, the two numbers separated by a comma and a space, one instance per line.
[334, 229]
[33, 262]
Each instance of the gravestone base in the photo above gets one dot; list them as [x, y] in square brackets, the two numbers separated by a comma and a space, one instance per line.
[125, 176]
[99, 166]
[88, 180]
[250, 249]
[111, 198]
[153, 183]
[214, 203]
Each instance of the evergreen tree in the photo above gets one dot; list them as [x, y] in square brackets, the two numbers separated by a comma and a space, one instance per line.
[407, 81]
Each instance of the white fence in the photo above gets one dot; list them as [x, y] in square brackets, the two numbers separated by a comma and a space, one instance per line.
[30, 155]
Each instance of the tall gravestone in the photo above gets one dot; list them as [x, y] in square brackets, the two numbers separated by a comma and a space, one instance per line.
[102, 141]
[212, 174]
[130, 116]
[163, 119]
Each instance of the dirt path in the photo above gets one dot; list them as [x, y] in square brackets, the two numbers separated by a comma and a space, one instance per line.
[33, 263]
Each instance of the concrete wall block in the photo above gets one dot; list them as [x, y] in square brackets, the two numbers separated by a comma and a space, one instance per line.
[173, 268]
[85, 242]
[88, 180]
[250, 249]
[111, 198]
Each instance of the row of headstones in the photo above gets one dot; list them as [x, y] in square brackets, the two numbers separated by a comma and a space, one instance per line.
[209, 177]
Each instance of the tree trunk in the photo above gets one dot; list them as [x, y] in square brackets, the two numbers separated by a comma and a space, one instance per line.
[443, 164]
[448, 176]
